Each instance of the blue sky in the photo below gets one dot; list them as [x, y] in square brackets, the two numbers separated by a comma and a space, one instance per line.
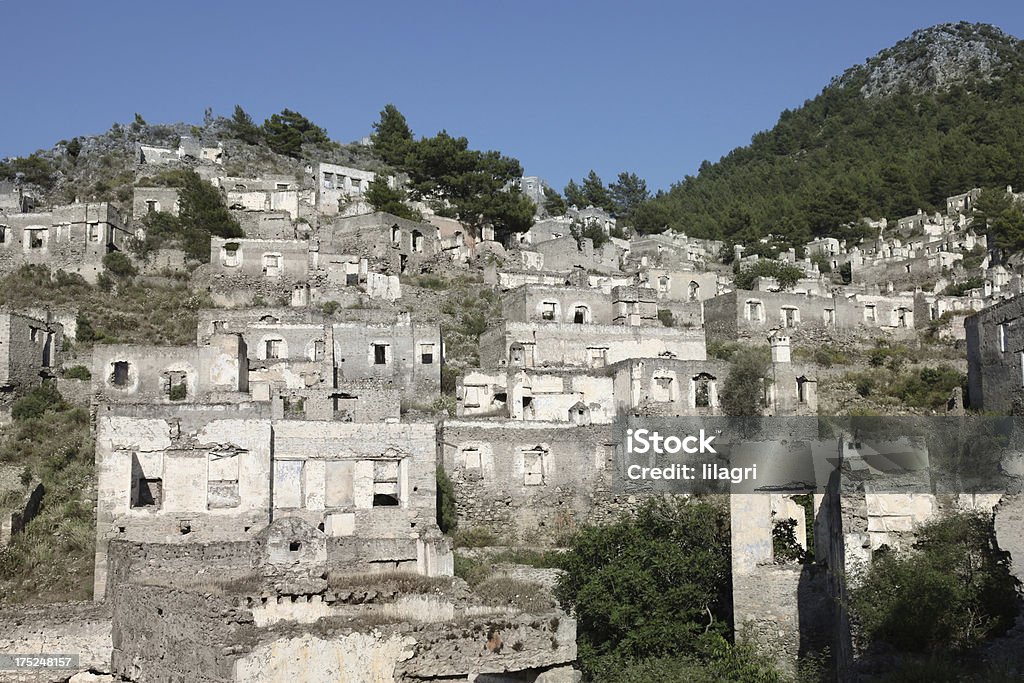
[648, 87]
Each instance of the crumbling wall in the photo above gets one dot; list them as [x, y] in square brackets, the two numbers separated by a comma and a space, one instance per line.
[529, 481]
[154, 625]
[72, 628]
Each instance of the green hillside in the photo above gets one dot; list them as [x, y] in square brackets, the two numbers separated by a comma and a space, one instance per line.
[939, 113]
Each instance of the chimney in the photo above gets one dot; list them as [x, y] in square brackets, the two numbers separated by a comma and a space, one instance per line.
[780, 347]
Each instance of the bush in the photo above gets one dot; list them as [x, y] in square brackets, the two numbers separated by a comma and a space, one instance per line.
[504, 591]
[651, 585]
[119, 265]
[949, 593]
[40, 400]
[77, 372]
[744, 389]
[476, 537]
[928, 387]
[786, 274]
[471, 570]
[447, 519]
[666, 317]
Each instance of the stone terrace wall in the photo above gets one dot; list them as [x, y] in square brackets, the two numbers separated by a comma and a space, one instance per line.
[82, 629]
[164, 634]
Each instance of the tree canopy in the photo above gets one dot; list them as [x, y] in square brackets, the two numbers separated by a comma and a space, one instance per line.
[470, 185]
[843, 156]
[287, 131]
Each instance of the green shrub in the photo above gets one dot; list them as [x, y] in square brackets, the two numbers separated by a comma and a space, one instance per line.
[475, 537]
[119, 265]
[37, 402]
[786, 274]
[651, 585]
[504, 591]
[471, 570]
[949, 593]
[744, 389]
[77, 372]
[330, 307]
[447, 518]
[666, 317]
[827, 355]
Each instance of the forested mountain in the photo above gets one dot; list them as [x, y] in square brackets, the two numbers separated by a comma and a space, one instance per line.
[935, 115]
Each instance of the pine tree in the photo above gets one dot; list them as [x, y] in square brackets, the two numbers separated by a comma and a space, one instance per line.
[242, 127]
[392, 137]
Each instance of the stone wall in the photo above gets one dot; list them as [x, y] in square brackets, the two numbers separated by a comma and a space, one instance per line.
[82, 629]
[528, 481]
[560, 344]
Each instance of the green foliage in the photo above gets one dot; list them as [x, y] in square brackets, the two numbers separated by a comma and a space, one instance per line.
[961, 288]
[740, 663]
[554, 205]
[38, 401]
[53, 559]
[77, 372]
[119, 265]
[1002, 218]
[135, 314]
[383, 197]
[447, 519]
[475, 537]
[949, 593]
[201, 213]
[787, 274]
[33, 169]
[593, 231]
[74, 148]
[287, 131]
[724, 350]
[666, 317]
[594, 193]
[330, 307]
[651, 585]
[459, 182]
[392, 138]
[471, 570]
[242, 127]
[628, 193]
[785, 547]
[928, 387]
[842, 156]
[744, 389]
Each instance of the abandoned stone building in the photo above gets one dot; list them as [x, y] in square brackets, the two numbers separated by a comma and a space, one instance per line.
[297, 272]
[73, 238]
[995, 358]
[301, 349]
[188, 149]
[147, 200]
[14, 199]
[337, 186]
[30, 352]
[749, 315]
[566, 253]
[638, 386]
[269, 193]
[672, 285]
[394, 245]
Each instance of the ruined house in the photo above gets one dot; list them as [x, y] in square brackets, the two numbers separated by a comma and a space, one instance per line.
[73, 238]
[995, 358]
[30, 350]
